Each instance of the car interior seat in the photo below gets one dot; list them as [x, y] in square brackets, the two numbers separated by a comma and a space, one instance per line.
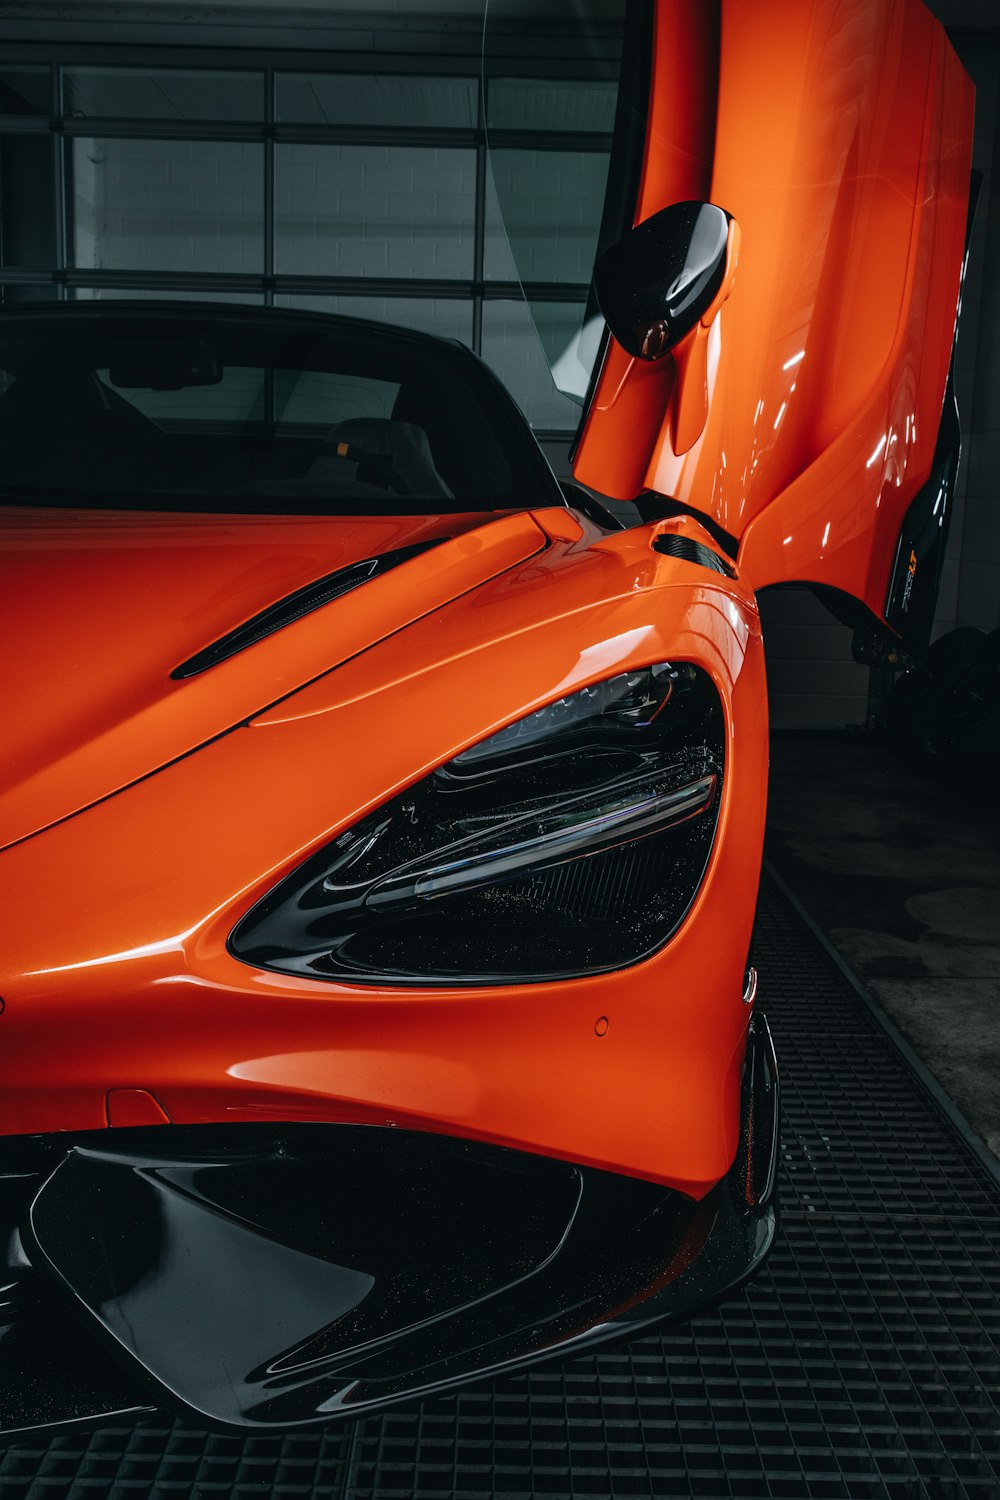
[404, 444]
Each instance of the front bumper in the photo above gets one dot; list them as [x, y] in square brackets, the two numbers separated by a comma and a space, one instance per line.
[278, 1277]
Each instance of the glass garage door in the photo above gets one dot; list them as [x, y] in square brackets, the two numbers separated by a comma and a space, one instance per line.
[300, 186]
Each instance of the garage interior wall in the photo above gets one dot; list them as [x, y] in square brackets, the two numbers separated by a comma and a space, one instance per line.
[337, 160]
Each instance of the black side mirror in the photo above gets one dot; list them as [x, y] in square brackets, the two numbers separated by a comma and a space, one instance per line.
[658, 280]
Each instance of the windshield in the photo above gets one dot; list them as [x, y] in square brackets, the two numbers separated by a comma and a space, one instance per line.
[239, 410]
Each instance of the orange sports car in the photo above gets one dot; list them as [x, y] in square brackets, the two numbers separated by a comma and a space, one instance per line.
[381, 822]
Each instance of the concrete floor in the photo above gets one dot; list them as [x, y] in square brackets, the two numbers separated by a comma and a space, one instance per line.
[902, 872]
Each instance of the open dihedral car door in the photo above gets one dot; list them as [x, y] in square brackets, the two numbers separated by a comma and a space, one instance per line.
[780, 361]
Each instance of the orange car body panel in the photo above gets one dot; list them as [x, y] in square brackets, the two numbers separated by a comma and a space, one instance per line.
[159, 812]
[842, 147]
[160, 587]
[130, 985]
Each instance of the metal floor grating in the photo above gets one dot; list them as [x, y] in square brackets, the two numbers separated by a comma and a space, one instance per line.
[862, 1364]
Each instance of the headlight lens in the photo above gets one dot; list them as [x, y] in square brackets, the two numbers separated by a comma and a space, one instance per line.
[631, 697]
[571, 842]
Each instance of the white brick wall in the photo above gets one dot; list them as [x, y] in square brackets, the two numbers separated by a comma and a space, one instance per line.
[813, 681]
[552, 202]
[168, 205]
[448, 318]
[368, 99]
[374, 211]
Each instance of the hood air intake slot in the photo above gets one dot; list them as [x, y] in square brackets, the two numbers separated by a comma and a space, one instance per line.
[688, 550]
[294, 606]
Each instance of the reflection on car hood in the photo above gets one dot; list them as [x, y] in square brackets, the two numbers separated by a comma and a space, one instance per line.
[105, 605]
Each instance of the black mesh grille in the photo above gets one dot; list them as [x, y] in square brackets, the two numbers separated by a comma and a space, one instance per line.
[862, 1364]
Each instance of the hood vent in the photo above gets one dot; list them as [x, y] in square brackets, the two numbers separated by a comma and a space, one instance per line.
[302, 602]
[688, 550]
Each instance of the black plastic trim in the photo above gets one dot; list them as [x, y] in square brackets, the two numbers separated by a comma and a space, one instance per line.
[923, 538]
[689, 550]
[654, 507]
[915, 580]
[590, 506]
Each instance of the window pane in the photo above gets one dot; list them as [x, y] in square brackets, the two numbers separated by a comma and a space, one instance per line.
[27, 203]
[361, 99]
[288, 415]
[25, 91]
[240, 396]
[320, 398]
[448, 317]
[163, 94]
[312, 398]
[149, 294]
[552, 205]
[168, 205]
[513, 335]
[374, 211]
[569, 105]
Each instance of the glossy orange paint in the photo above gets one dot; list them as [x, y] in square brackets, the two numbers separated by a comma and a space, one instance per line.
[163, 586]
[801, 418]
[838, 133]
[126, 1108]
[115, 968]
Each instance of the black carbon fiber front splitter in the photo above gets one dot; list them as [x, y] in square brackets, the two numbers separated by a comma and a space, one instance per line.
[862, 1364]
[270, 1278]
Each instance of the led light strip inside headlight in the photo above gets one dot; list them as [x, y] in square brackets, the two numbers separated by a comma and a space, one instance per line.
[571, 842]
[640, 810]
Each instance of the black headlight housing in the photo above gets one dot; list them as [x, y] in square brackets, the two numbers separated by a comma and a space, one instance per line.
[570, 843]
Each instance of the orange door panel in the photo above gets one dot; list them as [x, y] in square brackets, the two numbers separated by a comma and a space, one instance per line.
[841, 144]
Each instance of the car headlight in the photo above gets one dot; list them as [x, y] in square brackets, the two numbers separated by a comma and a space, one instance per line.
[571, 842]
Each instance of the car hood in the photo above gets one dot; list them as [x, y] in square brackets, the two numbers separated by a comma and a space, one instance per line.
[104, 606]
